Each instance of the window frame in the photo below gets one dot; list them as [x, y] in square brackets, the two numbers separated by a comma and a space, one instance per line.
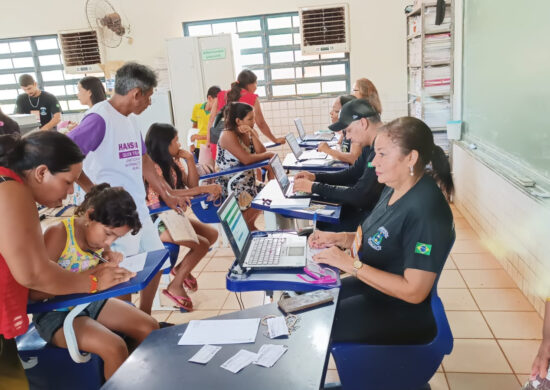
[37, 69]
[266, 50]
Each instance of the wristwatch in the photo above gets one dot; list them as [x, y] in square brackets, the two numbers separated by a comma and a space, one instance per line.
[357, 265]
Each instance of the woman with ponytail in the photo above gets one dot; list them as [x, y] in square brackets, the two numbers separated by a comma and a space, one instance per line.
[242, 91]
[399, 251]
[39, 168]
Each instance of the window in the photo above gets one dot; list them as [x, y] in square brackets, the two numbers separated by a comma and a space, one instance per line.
[269, 45]
[40, 57]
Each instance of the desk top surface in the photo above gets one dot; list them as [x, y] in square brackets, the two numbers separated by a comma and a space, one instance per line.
[153, 263]
[291, 163]
[273, 192]
[159, 363]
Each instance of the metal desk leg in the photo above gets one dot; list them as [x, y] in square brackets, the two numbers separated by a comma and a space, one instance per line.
[70, 337]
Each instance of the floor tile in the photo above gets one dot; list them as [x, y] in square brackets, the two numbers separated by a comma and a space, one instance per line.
[466, 234]
[449, 264]
[451, 279]
[483, 278]
[501, 300]
[523, 378]
[457, 299]
[250, 299]
[469, 381]
[475, 261]
[468, 246]
[461, 223]
[222, 312]
[439, 382]
[332, 376]
[224, 252]
[208, 299]
[212, 280]
[514, 325]
[183, 318]
[331, 363]
[219, 264]
[477, 355]
[468, 325]
[520, 353]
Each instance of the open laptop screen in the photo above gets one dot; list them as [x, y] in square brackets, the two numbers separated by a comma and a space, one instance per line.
[231, 215]
[279, 172]
[294, 146]
[300, 128]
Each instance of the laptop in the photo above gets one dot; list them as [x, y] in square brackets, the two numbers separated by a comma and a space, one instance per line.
[289, 251]
[303, 155]
[311, 137]
[286, 183]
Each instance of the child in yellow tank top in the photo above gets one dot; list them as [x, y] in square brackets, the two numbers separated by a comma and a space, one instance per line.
[105, 215]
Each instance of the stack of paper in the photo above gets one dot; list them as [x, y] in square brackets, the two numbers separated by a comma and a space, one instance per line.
[415, 24]
[437, 111]
[437, 48]
[429, 19]
[415, 52]
[290, 203]
[437, 79]
[415, 80]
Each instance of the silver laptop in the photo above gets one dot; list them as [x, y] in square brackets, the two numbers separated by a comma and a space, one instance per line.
[285, 183]
[310, 137]
[260, 252]
[299, 153]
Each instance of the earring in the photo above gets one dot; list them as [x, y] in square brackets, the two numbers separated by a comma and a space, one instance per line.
[411, 170]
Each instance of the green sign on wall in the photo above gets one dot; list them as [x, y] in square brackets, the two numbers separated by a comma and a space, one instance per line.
[213, 54]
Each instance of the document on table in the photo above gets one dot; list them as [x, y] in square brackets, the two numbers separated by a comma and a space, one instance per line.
[201, 332]
[205, 354]
[134, 263]
[277, 327]
[269, 354]
[239, 361]
[290, 203]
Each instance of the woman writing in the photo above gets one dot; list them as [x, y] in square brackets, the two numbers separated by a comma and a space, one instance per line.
[399, 251]
[41, 167]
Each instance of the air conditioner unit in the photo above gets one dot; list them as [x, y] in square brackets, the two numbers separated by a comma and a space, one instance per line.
[80, 51]
[325, 29]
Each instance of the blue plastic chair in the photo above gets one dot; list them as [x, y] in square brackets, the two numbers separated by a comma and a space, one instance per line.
[51, 368]
[395, 367]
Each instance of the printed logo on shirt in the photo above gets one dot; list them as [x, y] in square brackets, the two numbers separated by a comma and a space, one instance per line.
[128, 149]
[43, 111]
[375, 241]
[423, 249]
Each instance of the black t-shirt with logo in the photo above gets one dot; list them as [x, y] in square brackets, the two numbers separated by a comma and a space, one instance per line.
[417, 231]
[47, 105]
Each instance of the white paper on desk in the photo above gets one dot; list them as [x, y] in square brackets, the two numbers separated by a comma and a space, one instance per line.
[312, 252]
[320, 212]
[205, 354]
[277, 327]
[134, 263]
[221, 332]
[290, 203]
[316, 162]
[269, 354]
[239, 361]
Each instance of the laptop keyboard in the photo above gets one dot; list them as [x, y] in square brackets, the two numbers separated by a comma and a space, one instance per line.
[265, 251]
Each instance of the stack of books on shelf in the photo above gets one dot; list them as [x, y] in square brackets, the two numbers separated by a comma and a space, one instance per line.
[415, 52]
[429, 20]
[437, 80]
[437, 48]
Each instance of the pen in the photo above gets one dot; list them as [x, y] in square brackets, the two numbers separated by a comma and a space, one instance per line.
[98, 256]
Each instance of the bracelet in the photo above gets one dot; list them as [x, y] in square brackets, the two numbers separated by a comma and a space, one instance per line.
[93, 284]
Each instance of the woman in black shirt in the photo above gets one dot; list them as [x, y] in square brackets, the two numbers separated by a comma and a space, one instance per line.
[399, 251]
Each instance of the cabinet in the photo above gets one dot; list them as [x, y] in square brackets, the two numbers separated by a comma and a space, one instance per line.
[430, 67]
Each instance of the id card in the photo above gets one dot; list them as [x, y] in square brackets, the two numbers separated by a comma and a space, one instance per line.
[357, 243]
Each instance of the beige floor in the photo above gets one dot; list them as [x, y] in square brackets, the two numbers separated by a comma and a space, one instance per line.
[496, 329]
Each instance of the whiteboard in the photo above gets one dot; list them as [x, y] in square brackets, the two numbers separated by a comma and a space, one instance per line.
[506, 78]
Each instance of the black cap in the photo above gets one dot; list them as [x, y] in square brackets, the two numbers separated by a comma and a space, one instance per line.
[352, 111]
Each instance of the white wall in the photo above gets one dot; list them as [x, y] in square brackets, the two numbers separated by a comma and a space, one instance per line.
[510, 223]
[377, 31]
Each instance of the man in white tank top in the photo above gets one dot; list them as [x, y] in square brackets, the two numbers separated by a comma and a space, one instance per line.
[116, 154]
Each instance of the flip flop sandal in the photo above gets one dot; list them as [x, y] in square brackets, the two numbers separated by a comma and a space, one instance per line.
[179, 301]
[191, 283]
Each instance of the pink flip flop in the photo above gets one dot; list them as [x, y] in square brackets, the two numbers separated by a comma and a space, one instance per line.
[184, 303]
[191, 283]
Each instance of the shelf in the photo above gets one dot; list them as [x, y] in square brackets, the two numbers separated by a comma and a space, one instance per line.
[436, 63]
[414, 66]
[414, 36]
[425, 94]
[432, 32]
[415, 11]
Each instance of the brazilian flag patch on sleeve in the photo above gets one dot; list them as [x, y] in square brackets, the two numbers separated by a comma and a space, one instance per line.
[369, 164]
[423, 249]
